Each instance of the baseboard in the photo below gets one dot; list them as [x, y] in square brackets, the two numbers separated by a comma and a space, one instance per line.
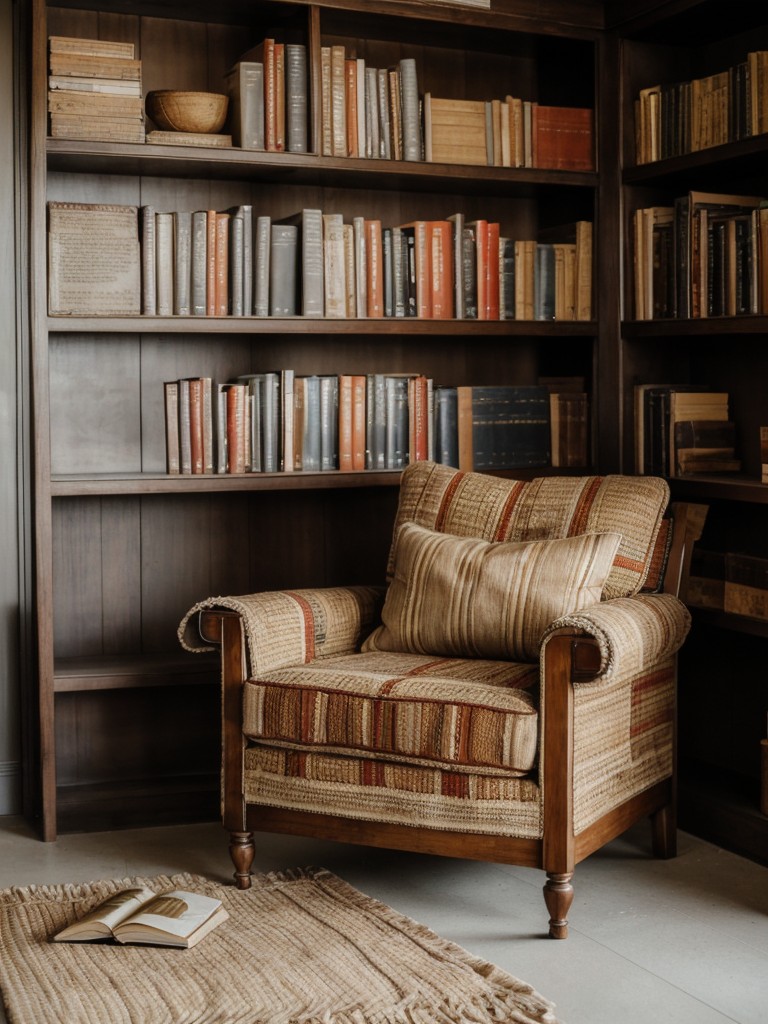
[10, 787]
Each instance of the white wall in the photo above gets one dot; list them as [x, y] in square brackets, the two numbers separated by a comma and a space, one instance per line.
[10, 740]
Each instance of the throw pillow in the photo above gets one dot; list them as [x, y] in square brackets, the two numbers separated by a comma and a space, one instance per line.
[463, 597]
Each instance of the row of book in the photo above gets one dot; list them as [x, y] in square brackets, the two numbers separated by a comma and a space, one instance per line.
[219, 263]
[683, 429]
[94, 90]
[728, 581]
[704, 256]
[267, 88]
[285, 422]
[508, 133]
[683, 117]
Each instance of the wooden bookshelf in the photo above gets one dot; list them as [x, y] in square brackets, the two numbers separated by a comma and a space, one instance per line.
[121, 549]
[719, 749]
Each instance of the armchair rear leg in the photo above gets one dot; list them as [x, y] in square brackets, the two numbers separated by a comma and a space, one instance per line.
[558, 895]
[242, 852]
[664, 826]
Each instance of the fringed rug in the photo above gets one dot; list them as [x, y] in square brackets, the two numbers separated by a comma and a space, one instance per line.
[300, 947]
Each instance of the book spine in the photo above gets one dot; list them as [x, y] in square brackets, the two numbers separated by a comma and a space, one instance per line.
[164, 263]
[328, 423]
[375, 280]
[335, 266]
[312, 284]
[210, 275]
[198, 260]
[385, 143]
[222, 264]
[236, 243]
[185, 438]
[361, 267]
[412, 147]
[338, 102]
[283, 261]
[246, 212]
[182, 270]
[345, 423]
[196, 425]
[296, 97]
[148, 258]
[350, 95]
[171, 391]
[261, 266]
[326, 124]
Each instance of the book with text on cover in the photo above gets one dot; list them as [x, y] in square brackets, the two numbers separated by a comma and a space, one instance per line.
[176, 918]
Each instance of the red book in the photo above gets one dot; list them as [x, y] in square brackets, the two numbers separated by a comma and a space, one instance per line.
[481, 260]
[210, 265]
[375, 275]
[222, 264]
[345, 423]
[492, 273]
[196, 424]
[358, 422]
[418, 416]
[565, 138]
[236, 441]
[441, 253]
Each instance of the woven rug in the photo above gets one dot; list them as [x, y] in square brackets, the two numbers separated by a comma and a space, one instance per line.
[300, 947]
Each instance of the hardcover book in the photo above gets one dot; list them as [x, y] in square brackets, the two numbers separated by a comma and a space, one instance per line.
[503, 427]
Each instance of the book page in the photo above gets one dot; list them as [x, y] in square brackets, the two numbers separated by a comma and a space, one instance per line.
[107, 915]
[93, 259]
[175, 914]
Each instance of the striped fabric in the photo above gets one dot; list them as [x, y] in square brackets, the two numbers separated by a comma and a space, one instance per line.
[425, 798]
[491, 508]
[455, 713]
[463, 597]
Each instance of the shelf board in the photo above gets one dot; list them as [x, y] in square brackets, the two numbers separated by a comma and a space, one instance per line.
[73, 675]
[388, 326]
[642, 330]
[305, 169]
[161, 483]
[138, 803]
[723, 808]
[711, 487]
[727, 620]
[745, 158]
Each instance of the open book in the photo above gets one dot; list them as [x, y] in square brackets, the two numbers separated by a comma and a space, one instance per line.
[176, 918]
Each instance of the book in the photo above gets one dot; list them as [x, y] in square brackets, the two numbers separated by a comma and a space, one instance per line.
[283, 270]
[503, 426]
[94, 259]
[164, 263]
[91, 47]
[569, 428]
[211, 140]
[244, 84]
[565, 138]
[138, 915]
[454, 131]
[411, 120]
[296, 99]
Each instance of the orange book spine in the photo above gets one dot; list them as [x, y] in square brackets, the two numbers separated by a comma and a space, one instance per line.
[481, 245]
[358, 422]
[196, 424]
[222, 264]
[236, 428]
[345, 423]
[279, 97]
[441, 252]
[375, 276]
[270, 97]
[350, 94]
[417, 418]
[210, 265]
[492, 273]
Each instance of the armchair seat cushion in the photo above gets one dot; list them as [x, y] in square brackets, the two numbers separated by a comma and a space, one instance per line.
[457, 714]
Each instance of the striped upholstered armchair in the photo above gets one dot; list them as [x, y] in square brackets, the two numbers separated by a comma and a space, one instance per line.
[510, 696]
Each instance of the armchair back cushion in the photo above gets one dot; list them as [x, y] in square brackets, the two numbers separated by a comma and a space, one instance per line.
[468, 598]
[493, 509]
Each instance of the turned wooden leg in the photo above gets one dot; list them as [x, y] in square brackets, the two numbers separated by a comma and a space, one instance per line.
[664, 826]
[558, 895]
[242, 851]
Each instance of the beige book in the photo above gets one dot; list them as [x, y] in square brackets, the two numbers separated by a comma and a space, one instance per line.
[91, 47]
[176, 918]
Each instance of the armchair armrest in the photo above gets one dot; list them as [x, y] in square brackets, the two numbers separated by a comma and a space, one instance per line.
[291, 627]
[630, 632]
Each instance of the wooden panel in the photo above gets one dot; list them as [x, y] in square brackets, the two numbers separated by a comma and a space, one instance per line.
[121, 611]
[77, 575]
[95, 404]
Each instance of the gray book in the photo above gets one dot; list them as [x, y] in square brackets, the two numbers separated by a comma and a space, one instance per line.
[283, 270]
[199, 262]
[296, 97]
[376, 419]
[329, 422]
[310, 441]
[396, 431]
[311, 261]
[245, 87]
[544, 282]
[236, 263]
[164, 263]
[385, 147]
[247, 214]
[261, 261]
[182, 261]
[372, 132]
[361, 267]
[457, 219]
[412, 147]
[148, 257]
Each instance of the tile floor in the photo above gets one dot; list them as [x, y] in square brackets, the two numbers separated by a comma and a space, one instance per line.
[651, 942]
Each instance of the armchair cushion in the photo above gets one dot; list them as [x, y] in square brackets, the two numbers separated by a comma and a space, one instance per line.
[491, 508]
[463, 597]
[448, 712]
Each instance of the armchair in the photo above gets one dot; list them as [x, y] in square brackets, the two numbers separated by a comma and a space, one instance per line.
[510, 697]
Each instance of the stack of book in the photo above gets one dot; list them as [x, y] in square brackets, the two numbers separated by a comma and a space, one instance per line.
[683, 429]
[569, 421]
[283, 422]
[508, 133]
[705, 256]
[492, 427]
[684, 117]
[94, 90]
[268, 98]
[729, 581]
[368, 112]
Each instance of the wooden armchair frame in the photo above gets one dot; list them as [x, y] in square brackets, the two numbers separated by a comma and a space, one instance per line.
[571, 658]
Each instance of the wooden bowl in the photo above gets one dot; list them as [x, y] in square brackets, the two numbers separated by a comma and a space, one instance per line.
[175, 111]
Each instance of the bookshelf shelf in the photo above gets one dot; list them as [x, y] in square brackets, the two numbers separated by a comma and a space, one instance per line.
[296, 169]
[161, 483]
[321, 326]
[727, 620]
[721, 488]
[741, 159]
[704, 327]
[113, 673]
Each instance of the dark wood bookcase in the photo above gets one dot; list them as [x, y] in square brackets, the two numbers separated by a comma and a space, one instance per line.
[723, 694]
[126, 724]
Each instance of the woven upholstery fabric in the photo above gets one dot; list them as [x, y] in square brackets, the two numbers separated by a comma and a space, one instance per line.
[368, 790]
[448, 712]
[292, 627]
[657, 564]
[491, 508]
[464, 597]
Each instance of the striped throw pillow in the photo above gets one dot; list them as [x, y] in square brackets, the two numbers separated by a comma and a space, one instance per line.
[463, 597]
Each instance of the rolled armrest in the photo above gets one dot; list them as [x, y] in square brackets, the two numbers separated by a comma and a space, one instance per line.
[292, 627]
[631, 632]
